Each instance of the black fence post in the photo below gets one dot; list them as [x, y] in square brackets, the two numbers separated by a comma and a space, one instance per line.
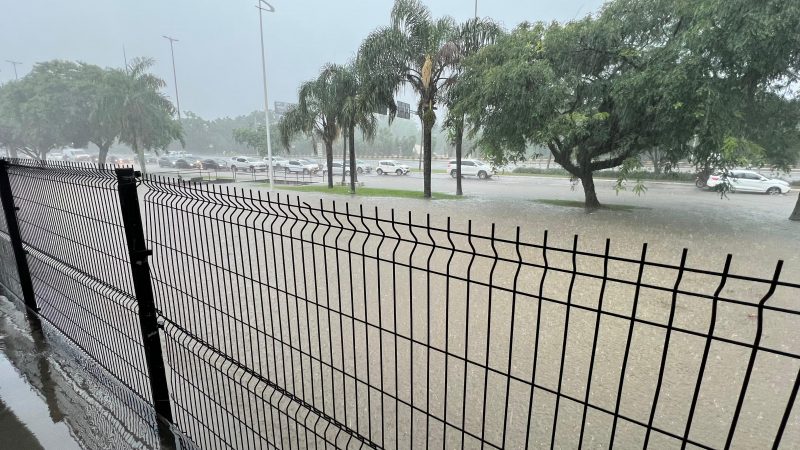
[23, 271]
[140, 269]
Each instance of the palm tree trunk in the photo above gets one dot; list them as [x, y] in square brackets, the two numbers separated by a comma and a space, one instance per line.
[459, 138]
[796, 213]
[429, 118]
[352, 134]
[344, 157]
[329, 162]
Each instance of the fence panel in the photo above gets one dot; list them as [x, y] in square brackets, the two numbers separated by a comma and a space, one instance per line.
[290, 325]
[69, 217]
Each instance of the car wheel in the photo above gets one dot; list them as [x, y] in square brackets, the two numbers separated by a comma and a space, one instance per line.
[399, 172]
[360, 170]
[700, 183]
[453, 173]
[233, 168]
[482, 175]
[305, 172]
[379, 172]
[774, 191]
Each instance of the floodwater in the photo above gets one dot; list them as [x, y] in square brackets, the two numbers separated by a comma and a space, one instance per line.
[49, 398]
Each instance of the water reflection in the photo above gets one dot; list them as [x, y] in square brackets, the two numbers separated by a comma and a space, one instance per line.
[61, 397]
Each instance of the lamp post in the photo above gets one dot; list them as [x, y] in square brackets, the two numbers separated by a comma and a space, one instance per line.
[14, 63]
[174, 74]
[268, 8]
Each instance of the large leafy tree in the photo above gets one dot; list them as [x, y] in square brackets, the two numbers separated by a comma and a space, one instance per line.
[566, 87]
[316, 114]
[47, 108]
[145, 115]
[472, 35]
[415, 50]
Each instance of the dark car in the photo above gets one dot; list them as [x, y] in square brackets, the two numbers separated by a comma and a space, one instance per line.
[186, 162]
[211, 164]
[166, 161]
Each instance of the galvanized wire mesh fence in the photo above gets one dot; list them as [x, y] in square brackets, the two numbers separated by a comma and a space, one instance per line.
[299, 325]
[69, 220]
[296, 325]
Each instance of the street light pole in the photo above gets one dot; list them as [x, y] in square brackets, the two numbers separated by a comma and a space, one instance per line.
[269, 8]
[174, 74]
[14, 63]
[476, 9]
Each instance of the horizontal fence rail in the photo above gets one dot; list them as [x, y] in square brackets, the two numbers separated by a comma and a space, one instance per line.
[288, 324]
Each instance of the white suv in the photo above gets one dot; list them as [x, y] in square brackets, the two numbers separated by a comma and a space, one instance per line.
[471, 167]
[386, 167]
[248, 163]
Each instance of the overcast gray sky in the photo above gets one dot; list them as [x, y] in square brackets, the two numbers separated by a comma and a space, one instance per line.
[217, 58]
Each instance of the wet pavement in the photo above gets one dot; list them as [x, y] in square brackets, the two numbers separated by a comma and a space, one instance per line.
[52, 397]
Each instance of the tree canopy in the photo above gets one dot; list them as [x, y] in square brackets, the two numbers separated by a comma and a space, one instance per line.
[67, 104]
[641, 74]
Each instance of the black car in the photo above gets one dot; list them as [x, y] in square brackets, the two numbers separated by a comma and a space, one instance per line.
[186, 162]
[211, 164]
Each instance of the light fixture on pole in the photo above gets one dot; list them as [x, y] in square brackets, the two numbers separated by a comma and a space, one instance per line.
[264, 6]
[14, 63]
[174, 74]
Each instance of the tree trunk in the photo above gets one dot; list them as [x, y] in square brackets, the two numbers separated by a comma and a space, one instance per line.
[796, 213]
[329, 162]
[352, 160]
[103, 155]
[429, 118]
[549, 157]
[591, 203]
[344, 158]
[459, 139]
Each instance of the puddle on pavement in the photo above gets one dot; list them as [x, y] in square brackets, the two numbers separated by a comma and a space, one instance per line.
[51, 398]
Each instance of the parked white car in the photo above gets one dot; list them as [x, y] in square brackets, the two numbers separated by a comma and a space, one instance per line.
[277, 162]
[336, 168]
[749, 181]
[248, 163]
[76, 154]
[472, 168]
[363, 167]
[313, 165]
[387, 167]
[300, 166]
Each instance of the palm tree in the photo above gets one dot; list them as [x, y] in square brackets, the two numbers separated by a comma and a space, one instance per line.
[473, 35]
[145, 114]
[416, 50]
[358, 99]
[317, 113]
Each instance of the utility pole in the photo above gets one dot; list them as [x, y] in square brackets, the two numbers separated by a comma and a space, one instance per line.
[174, 75]
[14, 63]
[268, 8]
[476, 9]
